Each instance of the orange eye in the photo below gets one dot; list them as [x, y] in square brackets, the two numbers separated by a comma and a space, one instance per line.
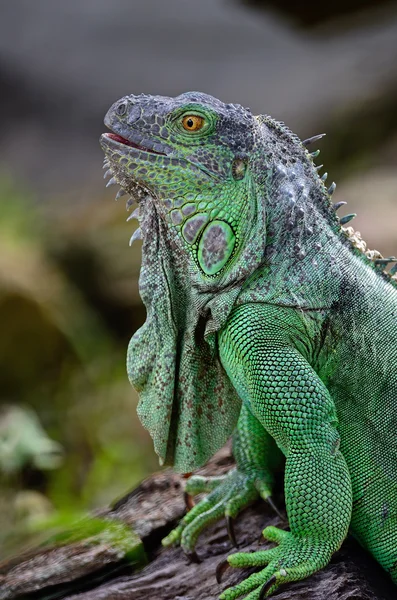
[192, 122]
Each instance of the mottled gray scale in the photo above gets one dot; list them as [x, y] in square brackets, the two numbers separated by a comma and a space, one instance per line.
[134, 114]
[214, 246]
[158, 147]
[189, 209]
[176, 217]
[193, 226]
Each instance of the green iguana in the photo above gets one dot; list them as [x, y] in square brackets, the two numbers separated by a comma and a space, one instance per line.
[265, 318]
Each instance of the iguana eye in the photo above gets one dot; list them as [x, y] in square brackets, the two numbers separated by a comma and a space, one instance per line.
[192, 122]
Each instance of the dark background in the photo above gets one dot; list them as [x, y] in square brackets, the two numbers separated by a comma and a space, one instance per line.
[68, 279]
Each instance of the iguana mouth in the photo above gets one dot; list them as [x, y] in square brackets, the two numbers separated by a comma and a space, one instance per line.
[121, 140]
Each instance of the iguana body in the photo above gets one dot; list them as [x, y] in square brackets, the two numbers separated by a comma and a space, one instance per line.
[263, 316]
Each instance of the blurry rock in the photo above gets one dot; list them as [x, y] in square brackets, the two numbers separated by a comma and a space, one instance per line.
[47, 329]
[90, 248]
[23, 441]
[68, 304]
[31, 508]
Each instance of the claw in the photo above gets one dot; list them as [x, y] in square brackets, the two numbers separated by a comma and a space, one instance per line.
[193, 557]
[266, 587]
[274, 507]
[230, 530]
[220, 570]
[189, 502]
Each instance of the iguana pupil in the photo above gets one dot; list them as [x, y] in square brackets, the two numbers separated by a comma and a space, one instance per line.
[193, 123]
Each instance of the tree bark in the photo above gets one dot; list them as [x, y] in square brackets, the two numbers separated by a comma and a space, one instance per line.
[86, 571]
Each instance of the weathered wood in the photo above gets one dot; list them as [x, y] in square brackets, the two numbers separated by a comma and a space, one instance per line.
[86, 571]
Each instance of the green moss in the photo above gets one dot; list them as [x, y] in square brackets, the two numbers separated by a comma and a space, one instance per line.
[96, 531]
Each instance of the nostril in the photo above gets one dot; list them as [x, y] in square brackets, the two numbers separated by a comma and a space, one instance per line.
[121, 109]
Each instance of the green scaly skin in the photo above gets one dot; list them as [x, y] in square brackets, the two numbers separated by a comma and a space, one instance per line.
[264, 317]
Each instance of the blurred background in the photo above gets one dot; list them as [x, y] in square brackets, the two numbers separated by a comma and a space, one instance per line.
[70, 440]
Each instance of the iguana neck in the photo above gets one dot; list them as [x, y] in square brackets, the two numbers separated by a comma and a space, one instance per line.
[304, 247]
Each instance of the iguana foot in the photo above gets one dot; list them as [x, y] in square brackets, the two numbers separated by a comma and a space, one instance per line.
[227, 496]
[293, 559]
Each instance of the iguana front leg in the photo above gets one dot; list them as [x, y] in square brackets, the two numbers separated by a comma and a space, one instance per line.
[294, 406]
[256, 456]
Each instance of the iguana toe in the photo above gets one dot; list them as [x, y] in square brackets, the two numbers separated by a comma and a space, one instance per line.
[293, 559]
[228, 496]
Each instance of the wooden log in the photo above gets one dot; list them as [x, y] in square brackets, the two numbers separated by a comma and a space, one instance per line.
[96, 567]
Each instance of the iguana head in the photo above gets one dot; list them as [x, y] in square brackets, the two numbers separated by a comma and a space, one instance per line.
[191, 156]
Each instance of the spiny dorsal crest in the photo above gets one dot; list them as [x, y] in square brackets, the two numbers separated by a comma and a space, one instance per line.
[354, 236]
[373, 255]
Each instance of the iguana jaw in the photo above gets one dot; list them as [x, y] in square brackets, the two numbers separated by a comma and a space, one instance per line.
[142, 147]
[140, 150]
[186, 179]
[133, 163]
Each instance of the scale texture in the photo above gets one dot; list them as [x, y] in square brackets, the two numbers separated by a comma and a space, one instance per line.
[266, 319]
